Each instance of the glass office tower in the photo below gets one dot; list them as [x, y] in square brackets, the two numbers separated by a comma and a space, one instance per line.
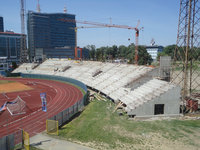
[10, 45]
[47, 32]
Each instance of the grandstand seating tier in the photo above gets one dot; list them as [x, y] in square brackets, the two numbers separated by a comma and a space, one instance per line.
[110, 79]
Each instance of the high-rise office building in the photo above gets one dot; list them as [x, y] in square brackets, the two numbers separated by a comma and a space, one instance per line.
[10, 46]
[47, 34]
[1, 24]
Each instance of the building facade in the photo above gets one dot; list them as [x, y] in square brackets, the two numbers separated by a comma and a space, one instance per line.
[48, 32]
[85, 54]
[154, 50]
[1, 24]
[81, 53]
[10, 47]
[59, 52]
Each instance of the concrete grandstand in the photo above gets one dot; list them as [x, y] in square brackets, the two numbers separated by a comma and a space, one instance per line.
[114, 80]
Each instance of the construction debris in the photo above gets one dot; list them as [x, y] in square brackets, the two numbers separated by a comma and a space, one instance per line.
[192, 102]
[119, 105]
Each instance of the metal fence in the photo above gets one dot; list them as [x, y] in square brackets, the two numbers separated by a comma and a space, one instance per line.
[8, 142]
[65, 115]
[26, 140]
[56, 78]
[52, 127]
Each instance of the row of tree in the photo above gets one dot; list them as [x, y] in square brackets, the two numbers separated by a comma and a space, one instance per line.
[128, 53]
[122, 52]
[179, 52]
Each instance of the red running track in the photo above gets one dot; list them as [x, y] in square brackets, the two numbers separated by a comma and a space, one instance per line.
[60, 96]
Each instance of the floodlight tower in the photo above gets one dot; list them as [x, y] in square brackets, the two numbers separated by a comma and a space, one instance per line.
[187, 53]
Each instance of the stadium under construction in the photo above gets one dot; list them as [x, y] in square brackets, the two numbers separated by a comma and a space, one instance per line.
[118, 82]
[57, 78]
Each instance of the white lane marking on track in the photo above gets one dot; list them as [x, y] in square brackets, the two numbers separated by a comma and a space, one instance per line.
[27, 94]
[4, 94]
[46, 84]
[23, 117]
[40, 122]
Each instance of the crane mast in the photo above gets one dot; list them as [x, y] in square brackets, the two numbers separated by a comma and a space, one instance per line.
[23, 49]
[22, 17]
[38, 6]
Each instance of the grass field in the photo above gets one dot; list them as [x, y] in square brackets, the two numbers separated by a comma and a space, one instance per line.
[5, 81]
[98, 127]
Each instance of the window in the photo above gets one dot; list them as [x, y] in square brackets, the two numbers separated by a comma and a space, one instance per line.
[12, 47]
[158, 109]
[3, 47]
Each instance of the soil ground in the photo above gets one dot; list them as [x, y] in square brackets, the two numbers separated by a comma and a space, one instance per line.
[8, 87]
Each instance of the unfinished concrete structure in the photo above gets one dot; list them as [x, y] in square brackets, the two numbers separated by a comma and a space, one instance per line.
[155, 97]
[131, 86]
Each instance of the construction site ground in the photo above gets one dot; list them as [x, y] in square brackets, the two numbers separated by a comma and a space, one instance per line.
[99, 127]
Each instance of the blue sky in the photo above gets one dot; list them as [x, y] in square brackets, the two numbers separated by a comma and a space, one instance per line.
[158, 17]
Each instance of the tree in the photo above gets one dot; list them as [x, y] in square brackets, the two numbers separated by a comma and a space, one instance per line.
[14, 65]
[144, 57]
[100, 53]
[130, 54]
[114, 52]
[167, 51]
[92, 49]
[122, 50]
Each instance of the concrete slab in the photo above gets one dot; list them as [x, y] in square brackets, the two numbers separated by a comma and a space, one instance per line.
[46, 142]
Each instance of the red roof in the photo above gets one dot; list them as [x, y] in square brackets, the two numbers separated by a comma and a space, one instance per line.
[12, 33]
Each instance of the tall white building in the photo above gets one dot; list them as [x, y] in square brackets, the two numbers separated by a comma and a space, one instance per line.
[154, 50]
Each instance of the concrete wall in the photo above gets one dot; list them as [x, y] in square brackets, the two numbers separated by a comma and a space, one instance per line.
[170, 99]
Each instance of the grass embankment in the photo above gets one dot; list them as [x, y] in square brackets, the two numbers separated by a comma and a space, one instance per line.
[100, 128]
